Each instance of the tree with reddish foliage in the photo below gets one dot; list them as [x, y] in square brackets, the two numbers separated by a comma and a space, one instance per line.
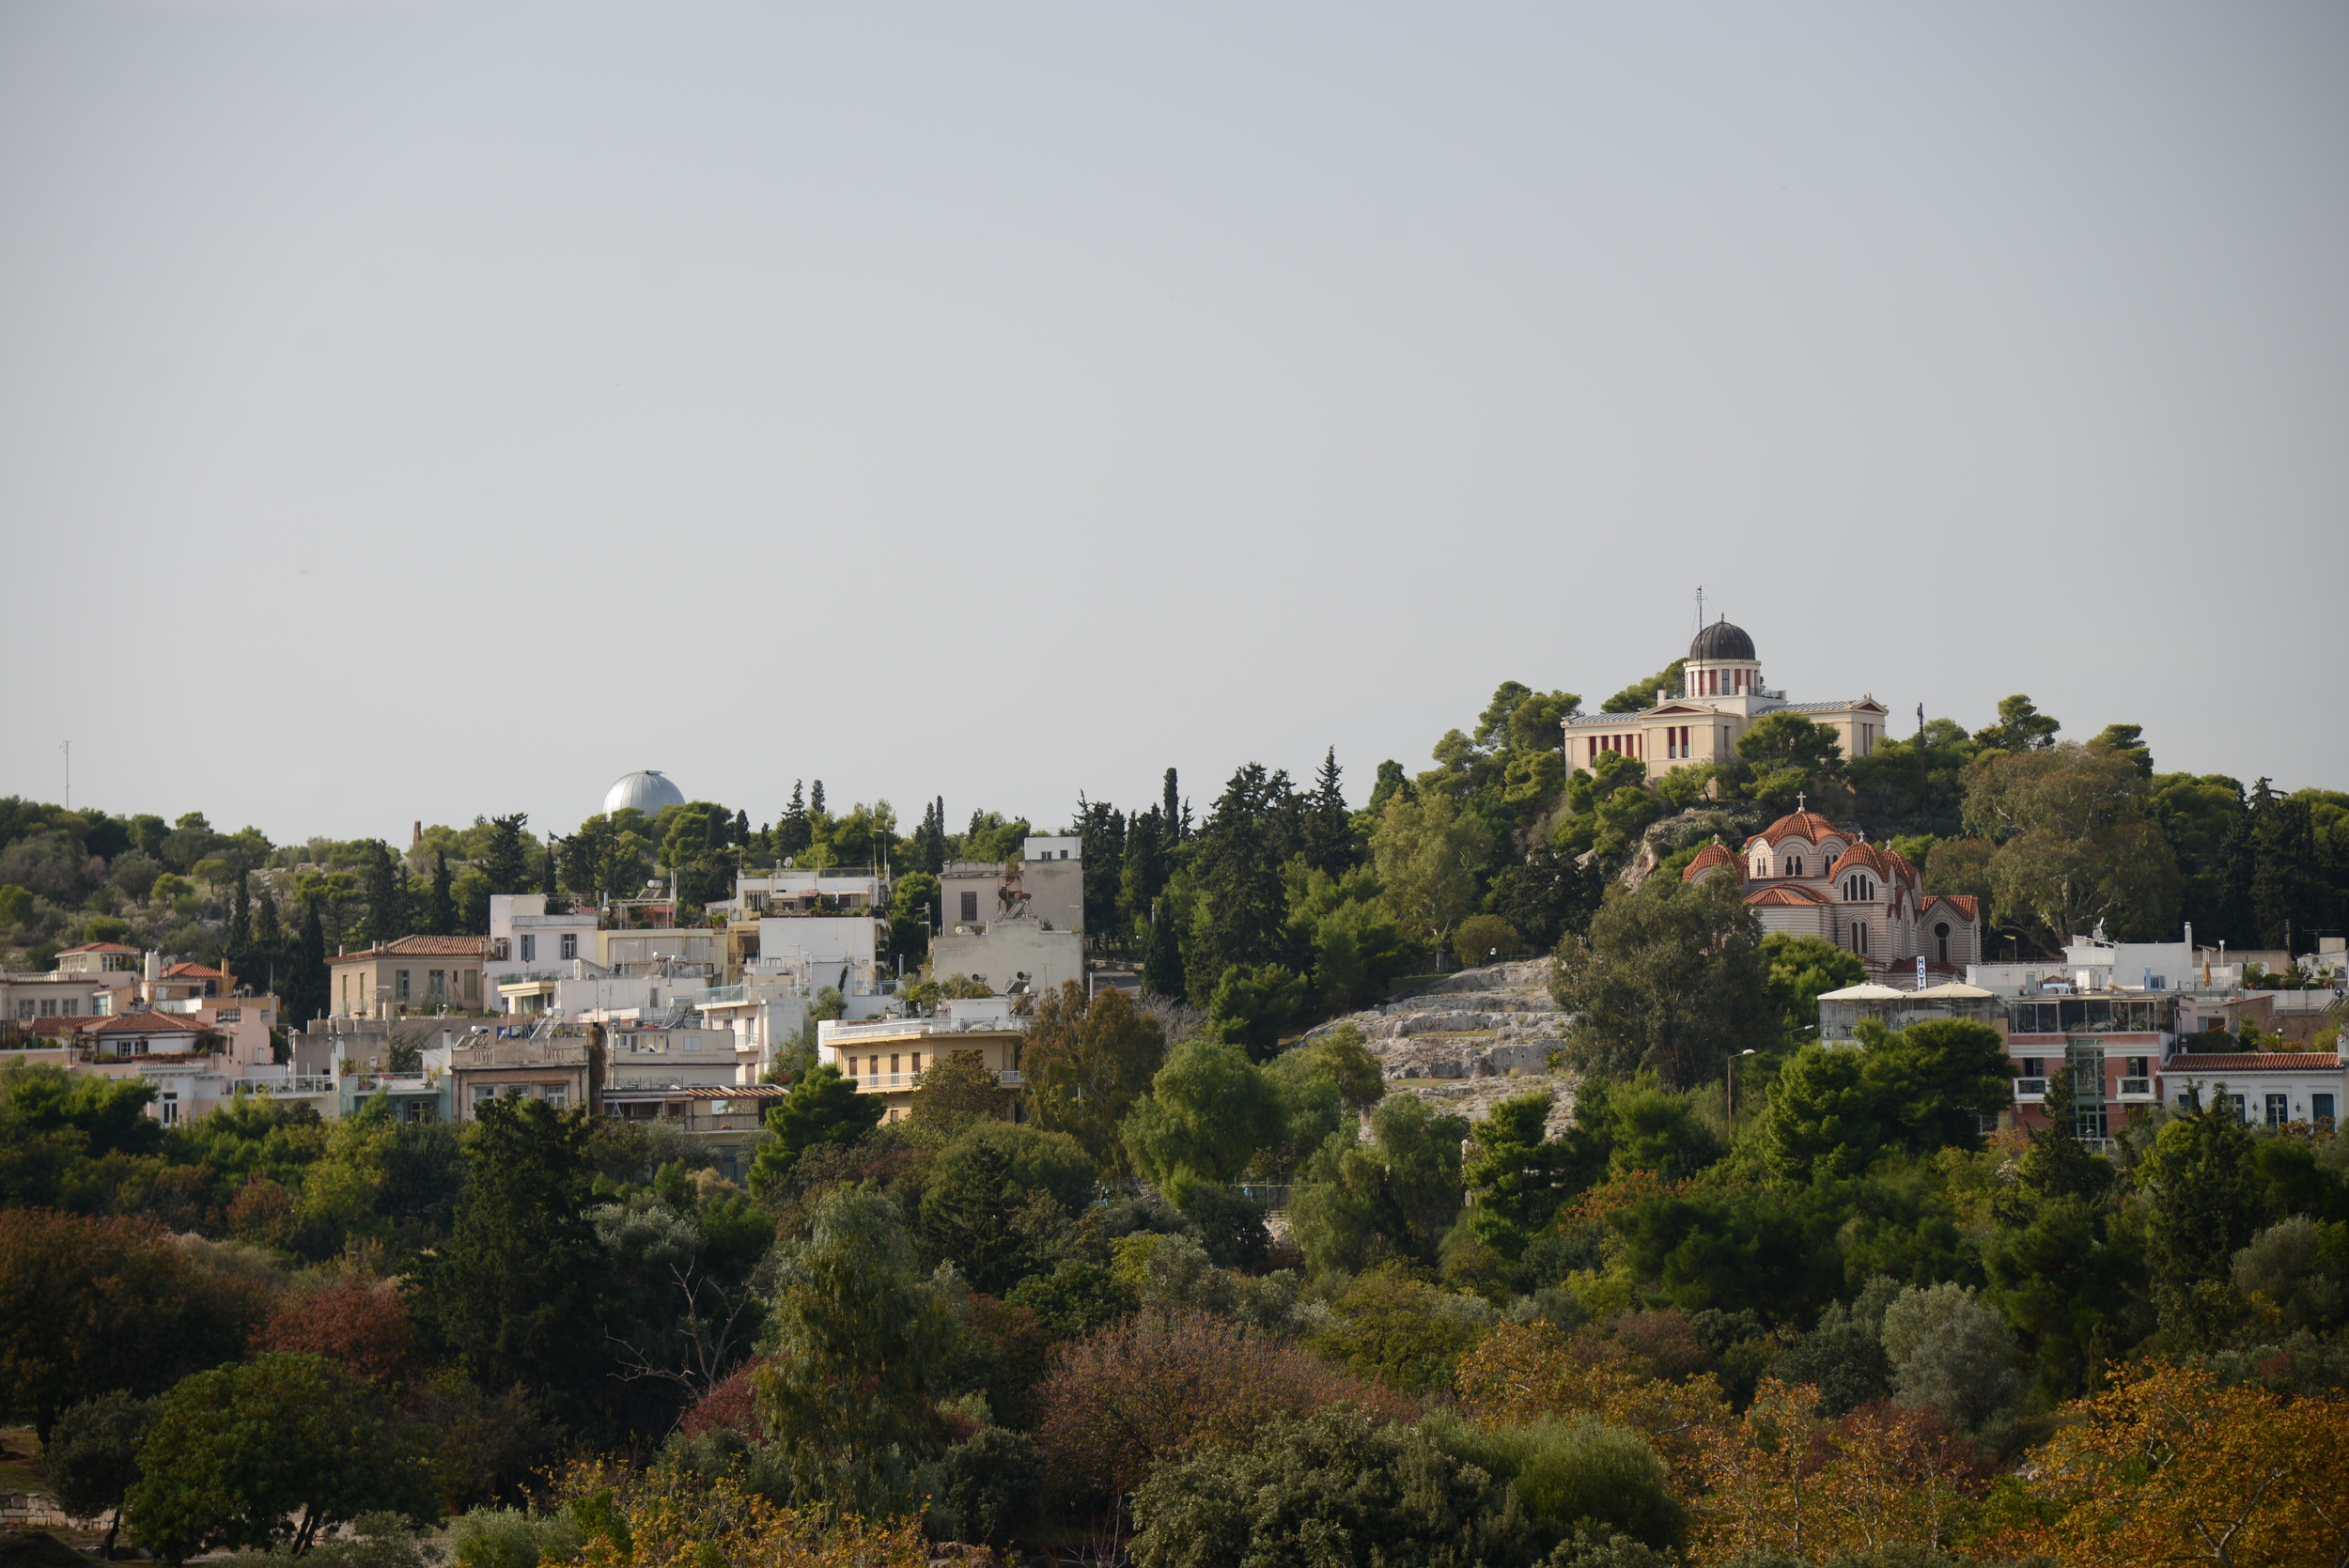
[1783, 1479]
[1162, 1384]
[365, 1327]
[732, 1405]
[262, 1213]
[88, 1305]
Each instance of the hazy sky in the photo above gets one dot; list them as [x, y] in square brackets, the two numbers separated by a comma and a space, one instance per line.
[416, 411]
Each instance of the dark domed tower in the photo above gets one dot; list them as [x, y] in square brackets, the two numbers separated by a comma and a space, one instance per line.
[1721, 663]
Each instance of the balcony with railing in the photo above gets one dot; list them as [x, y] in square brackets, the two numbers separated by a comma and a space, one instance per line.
[294, 1083]
[393, 1083]
[2136, 1089]
[2029, 1091]
[875, 1084]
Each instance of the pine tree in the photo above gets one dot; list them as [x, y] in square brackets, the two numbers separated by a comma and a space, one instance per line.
[792, 832]
[505, 862]
[1328, 825]
[1237, 870]
[439, 911]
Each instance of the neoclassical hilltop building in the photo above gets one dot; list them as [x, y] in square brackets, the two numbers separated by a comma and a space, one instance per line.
[1721, 696]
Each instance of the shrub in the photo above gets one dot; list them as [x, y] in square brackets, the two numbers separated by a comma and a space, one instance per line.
[1337, 1486]
[511, 1538]
[1162, 1384]
[1404, 1332]
[994, 1484]
[1573, 1476]
[1477, 938]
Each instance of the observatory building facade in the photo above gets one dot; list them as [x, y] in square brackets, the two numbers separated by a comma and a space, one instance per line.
[1721, 696]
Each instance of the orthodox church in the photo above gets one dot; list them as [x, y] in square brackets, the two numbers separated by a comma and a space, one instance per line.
[1808, 878]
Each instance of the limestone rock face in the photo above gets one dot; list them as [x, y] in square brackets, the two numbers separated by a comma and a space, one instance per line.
[1474, 1038]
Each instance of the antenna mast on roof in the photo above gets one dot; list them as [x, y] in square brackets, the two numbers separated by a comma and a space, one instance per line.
[1700, 607]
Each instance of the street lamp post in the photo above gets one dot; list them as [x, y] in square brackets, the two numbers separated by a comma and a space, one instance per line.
[1733, 1093]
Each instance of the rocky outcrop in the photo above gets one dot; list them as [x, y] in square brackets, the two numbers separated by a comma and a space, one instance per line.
[1469, 1040]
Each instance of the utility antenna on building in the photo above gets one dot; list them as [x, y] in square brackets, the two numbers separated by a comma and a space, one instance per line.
[66, 747]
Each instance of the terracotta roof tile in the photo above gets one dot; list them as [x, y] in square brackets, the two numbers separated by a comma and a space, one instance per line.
[99, 947]
[1964, 903]
[1786, 894]
[2251, 1062]
[145, 1023]
[1866, 855]
[194, 971]
[1807, 825]
[419, 947]
[1711, 856]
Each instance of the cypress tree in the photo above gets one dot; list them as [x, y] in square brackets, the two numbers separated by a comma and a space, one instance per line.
[2288, 898]
[439, 914]
[241, 927]
[1177, 820]
[815, 799]
[1145, 869]
[303, 989]
[1101, 830]
[1161, 958]
[386, 919]
[741, 826]
[2238, 868]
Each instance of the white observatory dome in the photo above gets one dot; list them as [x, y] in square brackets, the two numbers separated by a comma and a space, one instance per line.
[645, 790]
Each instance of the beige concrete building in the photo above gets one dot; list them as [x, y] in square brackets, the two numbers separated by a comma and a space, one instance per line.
[888, 1056]
[1047, 886]
[414, 974]
[1722, 695]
